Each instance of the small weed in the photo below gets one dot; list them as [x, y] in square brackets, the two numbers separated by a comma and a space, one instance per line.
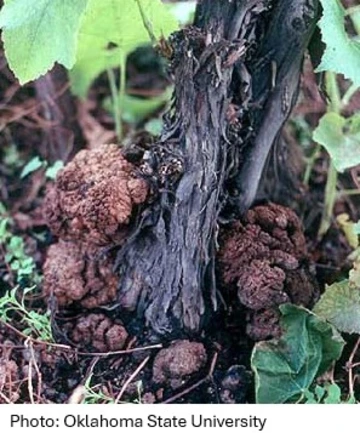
[22, 275]
[36, 324]
[94, 395]
[12, 158]
[21, 266]
[329, 393]
[37, 163]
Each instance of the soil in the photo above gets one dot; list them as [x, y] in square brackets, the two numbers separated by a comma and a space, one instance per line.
[269, 256]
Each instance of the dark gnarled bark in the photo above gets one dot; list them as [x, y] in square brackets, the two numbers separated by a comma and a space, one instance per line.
[236, 75]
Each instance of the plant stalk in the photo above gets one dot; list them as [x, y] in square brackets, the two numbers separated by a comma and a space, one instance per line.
[122, 89]
[335, 106]
[115, 103]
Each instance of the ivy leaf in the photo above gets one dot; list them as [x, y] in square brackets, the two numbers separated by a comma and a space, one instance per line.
[341, 138]
[38, 33]
[340, 305]
[319, 392]
[333, 394]
[342, 54]
[110, 31]
[286, 367]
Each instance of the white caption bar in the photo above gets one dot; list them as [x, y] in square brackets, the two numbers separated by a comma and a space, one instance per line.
[176, 418]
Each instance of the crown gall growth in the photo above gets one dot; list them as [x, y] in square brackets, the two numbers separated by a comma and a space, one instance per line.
[94, 196]
[90, 208]
[96, 331]
[76, 273]
[264, 258]
[179, 362]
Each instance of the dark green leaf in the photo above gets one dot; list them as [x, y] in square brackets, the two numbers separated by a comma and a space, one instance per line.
[286, 367]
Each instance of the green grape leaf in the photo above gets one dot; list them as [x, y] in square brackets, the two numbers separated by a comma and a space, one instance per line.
[342, 53]
[341, 138]
[340, 305]
[285, 368]
[110, 31]
[135, 109]
[38, 33]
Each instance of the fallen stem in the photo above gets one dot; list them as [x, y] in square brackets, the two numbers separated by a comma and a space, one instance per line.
[33, 363]
[131, 378]
[6, 399]
[351, 366]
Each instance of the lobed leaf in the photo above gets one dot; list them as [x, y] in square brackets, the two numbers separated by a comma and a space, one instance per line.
[340, 305]
[342, 53]
[341, 138]
[38, 33]
[111, 30]
[286, 367]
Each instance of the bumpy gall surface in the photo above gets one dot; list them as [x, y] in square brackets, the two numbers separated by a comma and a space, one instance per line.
[94, 196]
[175, 364]
[98, 332]
[264, 258]
[79, 273]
